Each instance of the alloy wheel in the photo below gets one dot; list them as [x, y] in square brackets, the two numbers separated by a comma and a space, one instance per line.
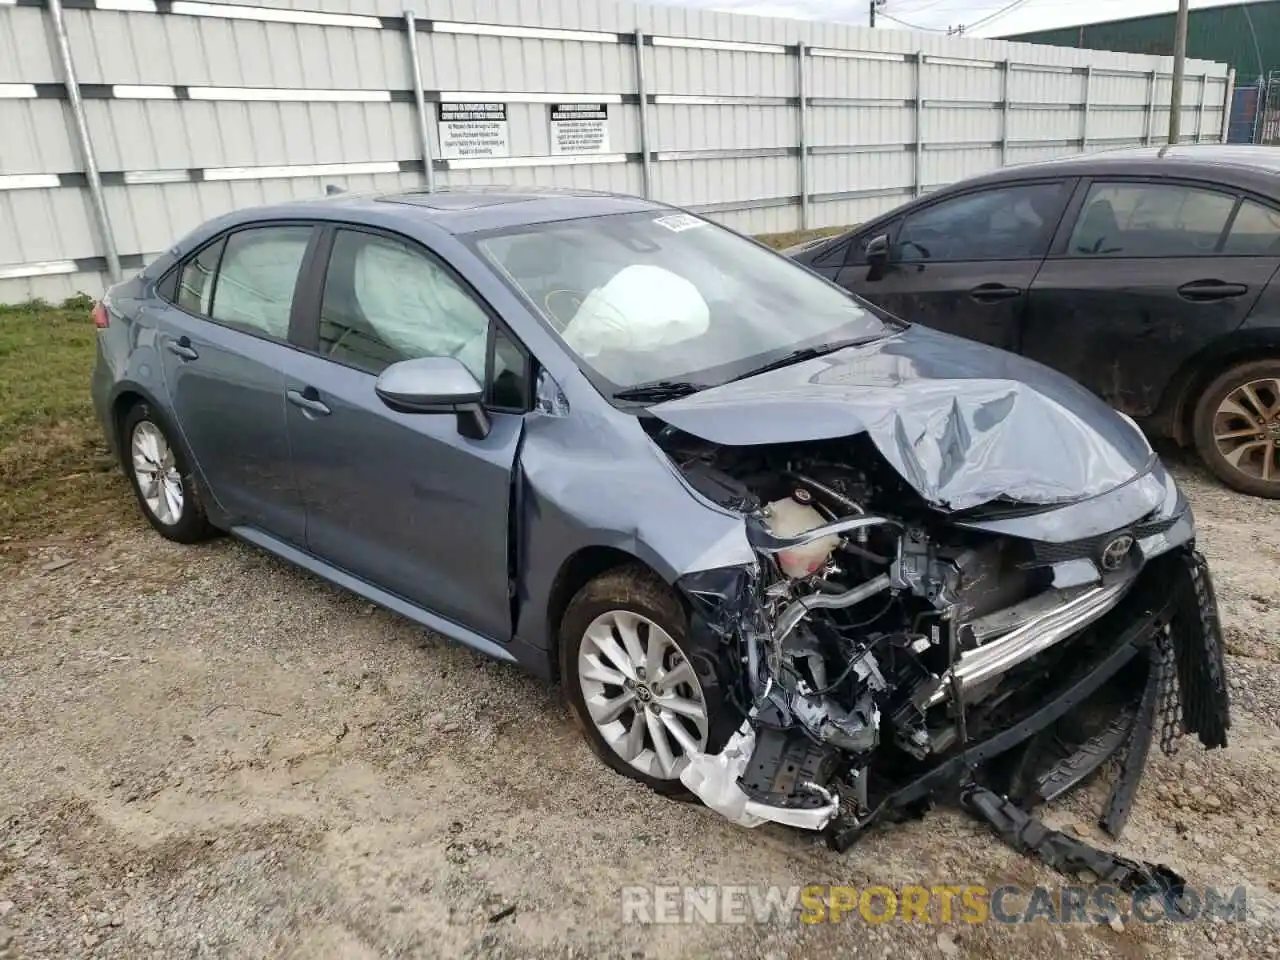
[156, 471]
[1246, 429]
[641, 693]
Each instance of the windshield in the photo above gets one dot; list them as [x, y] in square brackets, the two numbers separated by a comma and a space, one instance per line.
[671, 299]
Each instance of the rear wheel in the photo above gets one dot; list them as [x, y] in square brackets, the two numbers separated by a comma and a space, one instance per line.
[161, 478]
[645, 694]
[1237, 427]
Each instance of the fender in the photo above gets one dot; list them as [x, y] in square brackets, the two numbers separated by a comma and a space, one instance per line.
[1172, 417]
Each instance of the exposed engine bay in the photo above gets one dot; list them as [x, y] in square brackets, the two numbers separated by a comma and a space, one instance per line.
[883, 646]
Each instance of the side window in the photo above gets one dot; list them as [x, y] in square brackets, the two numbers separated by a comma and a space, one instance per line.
[195, 282]
[509, 388]
[167, 285]
[385, 300]
[1004, 223]
[254, 286]
[835, 256]
[1255, 232]
[1149, 220]
[858, 250]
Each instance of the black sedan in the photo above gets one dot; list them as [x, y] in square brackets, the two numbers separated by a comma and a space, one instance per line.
[1149, 275]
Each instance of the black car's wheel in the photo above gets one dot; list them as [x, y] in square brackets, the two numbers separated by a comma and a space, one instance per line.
[644, 693]
[1237, 427]
[161, 478]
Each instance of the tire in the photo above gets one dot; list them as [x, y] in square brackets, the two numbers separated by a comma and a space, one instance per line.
[144, 436]
[1221, 410]
[634, 595]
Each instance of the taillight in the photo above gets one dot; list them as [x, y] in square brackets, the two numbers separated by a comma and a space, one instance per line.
[100, 318]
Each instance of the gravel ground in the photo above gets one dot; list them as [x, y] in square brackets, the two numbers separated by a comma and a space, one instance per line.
[209, 754]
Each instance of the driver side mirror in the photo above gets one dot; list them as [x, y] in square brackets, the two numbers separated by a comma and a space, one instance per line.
[877, 256]
[436, 385]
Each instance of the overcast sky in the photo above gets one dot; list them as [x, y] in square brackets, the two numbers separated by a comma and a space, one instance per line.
[1022, 15]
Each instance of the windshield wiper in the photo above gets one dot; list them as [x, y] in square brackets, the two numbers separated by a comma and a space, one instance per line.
[659, 390]
[808, 353]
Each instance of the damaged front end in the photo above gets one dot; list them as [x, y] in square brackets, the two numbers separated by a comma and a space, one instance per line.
[885, 653]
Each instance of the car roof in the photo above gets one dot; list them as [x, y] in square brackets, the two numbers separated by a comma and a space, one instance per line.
[461, 210]
[1243, 165]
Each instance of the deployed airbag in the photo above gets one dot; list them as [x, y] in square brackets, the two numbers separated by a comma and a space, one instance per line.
[642, 308]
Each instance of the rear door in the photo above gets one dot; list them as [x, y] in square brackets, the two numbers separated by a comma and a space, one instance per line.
[405, 501]
[224, 342]
[965, 263]
[1144, 273]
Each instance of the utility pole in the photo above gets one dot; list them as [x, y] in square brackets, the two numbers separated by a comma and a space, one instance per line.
[1179, 68]
[871, 13]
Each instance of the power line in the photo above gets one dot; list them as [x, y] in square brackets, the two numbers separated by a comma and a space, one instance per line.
[983, 21]
[909, 26]
[929, 5]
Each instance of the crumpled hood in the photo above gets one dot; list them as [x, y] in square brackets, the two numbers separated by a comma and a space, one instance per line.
[963, 423]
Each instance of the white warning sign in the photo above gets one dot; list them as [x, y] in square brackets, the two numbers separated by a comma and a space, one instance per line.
[579, 128]
[471, 130]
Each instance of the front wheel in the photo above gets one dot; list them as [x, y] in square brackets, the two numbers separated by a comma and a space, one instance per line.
[1237, 427]
[645, 695]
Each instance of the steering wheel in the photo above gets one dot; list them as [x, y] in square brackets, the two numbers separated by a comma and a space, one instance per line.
[570, 299]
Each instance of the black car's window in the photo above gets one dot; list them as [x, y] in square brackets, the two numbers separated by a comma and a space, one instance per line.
[1149, 220]
[1004, 223]
[195, 285]
[254, 286]
[833, 256]
[1254, 233]
[386, 300]
[858, 249]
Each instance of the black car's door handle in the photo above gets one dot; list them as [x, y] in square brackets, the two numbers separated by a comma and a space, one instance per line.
[309, 400]
[993, 292]
[182, 348]
[1199, 291]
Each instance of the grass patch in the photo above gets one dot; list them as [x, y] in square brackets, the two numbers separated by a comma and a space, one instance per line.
[780, 241]
[57, 480]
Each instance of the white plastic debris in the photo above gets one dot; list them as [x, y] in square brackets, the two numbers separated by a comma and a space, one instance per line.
[713, 778]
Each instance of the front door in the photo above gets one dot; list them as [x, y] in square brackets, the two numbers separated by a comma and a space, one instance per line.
[404, 501]
[1143, 278]
[224, 344]
[965, 264]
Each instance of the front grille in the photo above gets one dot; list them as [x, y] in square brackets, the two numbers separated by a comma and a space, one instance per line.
[1091, 547]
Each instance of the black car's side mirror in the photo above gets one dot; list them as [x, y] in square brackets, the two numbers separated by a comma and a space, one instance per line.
[436, 385]
[877, 256]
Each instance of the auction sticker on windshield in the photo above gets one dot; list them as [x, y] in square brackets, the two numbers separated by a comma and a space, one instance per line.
[677, 222]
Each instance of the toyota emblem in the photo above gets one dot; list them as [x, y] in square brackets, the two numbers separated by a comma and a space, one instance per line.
[1113, 553]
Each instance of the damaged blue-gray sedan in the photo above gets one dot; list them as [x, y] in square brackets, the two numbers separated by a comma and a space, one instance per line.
[785, 552]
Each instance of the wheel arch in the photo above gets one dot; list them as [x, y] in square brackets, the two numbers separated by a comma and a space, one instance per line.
[1174, 416]
[124, 398]
[128, 394]
[575, 572]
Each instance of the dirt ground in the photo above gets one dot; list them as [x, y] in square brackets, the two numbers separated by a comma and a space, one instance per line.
[207, 753]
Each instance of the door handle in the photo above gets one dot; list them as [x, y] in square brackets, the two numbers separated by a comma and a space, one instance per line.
[309, 401]
[993, 292]
[182, 348]
[1202, 291]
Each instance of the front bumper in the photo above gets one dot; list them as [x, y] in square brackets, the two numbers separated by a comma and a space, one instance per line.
[1167, 610]
[1171, 614]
